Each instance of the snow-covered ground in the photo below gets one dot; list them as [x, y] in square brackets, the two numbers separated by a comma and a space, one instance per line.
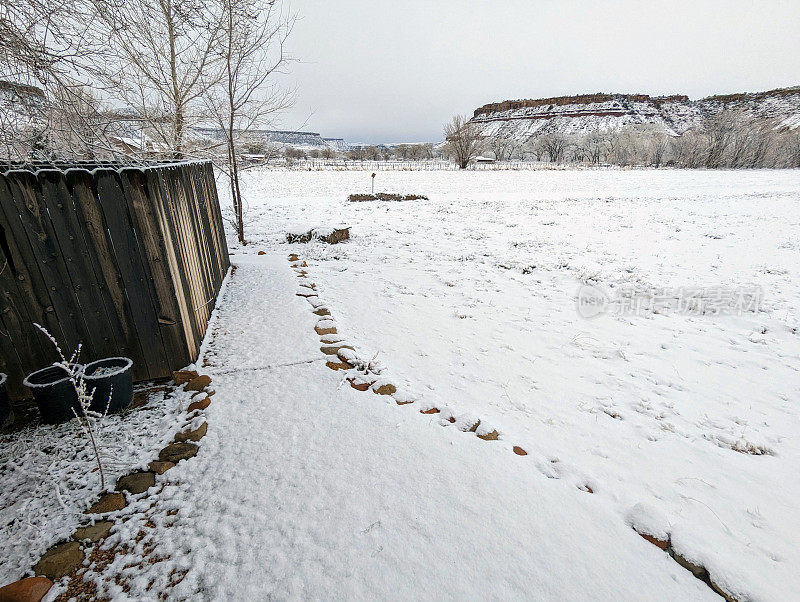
[674, 408]
[49, 477]
[470, 301]
[305, 489]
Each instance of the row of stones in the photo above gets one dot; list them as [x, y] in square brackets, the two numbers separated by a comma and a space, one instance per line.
[697, 570]
[360, 373]
[362, 380]
[66, 557]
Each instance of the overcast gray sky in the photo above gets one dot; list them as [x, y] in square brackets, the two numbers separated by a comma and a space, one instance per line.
[395, 71]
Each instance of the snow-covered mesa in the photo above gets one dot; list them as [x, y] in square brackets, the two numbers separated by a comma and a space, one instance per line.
[674, 115]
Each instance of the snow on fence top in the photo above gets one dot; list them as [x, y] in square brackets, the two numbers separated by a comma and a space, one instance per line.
[126, 260]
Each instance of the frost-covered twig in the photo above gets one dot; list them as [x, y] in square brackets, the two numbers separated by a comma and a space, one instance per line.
[89, 420]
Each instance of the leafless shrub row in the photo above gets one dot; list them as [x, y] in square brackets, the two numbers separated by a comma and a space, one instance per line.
[729, 139]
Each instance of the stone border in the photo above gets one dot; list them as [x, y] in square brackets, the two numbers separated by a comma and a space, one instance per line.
[65, 558]
[697, 570]
[362, 377]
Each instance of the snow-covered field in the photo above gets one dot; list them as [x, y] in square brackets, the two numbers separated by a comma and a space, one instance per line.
[681, 399]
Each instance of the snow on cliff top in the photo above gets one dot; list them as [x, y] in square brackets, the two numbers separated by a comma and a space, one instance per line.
[583, 114]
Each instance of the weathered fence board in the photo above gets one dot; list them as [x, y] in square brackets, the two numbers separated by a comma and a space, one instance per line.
[140, 208]
[90, 215]
[125, 261]
[25, 300]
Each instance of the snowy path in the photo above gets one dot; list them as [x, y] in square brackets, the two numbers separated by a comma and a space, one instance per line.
[307, 489]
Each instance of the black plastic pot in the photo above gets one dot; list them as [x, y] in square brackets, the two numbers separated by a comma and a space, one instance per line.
[5, 406]
[114, 380]
[54, 394]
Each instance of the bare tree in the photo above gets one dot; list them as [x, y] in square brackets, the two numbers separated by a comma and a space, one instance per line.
[373, 153]
[733, 139]
[502, 148]
[595, 145]
[463, 140]
[161, 61]
[290, 152]
[357, 153]
[555, 145]
[43, 41]
[659, 145]
[251, 49]
[47, 108]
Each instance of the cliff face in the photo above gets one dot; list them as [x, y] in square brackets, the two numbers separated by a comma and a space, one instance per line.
[522, 119]
[581, 99]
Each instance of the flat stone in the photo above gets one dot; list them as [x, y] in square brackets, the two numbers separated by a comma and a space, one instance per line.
[136, 482]
[359, 386]
[519, 451]
[338, 365]
[334, 349]
[210, 393]
[93, 533]
[431, 411]
[184, 376]
[262, 252]
[405, 403]
[198, 384]
[387, 389]
[322, 311]
[306, 294]
[661, 543]
[332, 339]
[60, 560]
[194, 435]
[293, 257]
[160, 467]
[490, 436]
[472, 428]
[321, 331]
[175, 452]
[200, 404]
[695, 569]
[110, 502]
[32, 589]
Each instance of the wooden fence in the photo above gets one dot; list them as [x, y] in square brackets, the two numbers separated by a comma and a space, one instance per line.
[124, 260]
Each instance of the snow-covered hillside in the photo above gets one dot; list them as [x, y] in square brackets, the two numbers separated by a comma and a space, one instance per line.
[583, 114]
